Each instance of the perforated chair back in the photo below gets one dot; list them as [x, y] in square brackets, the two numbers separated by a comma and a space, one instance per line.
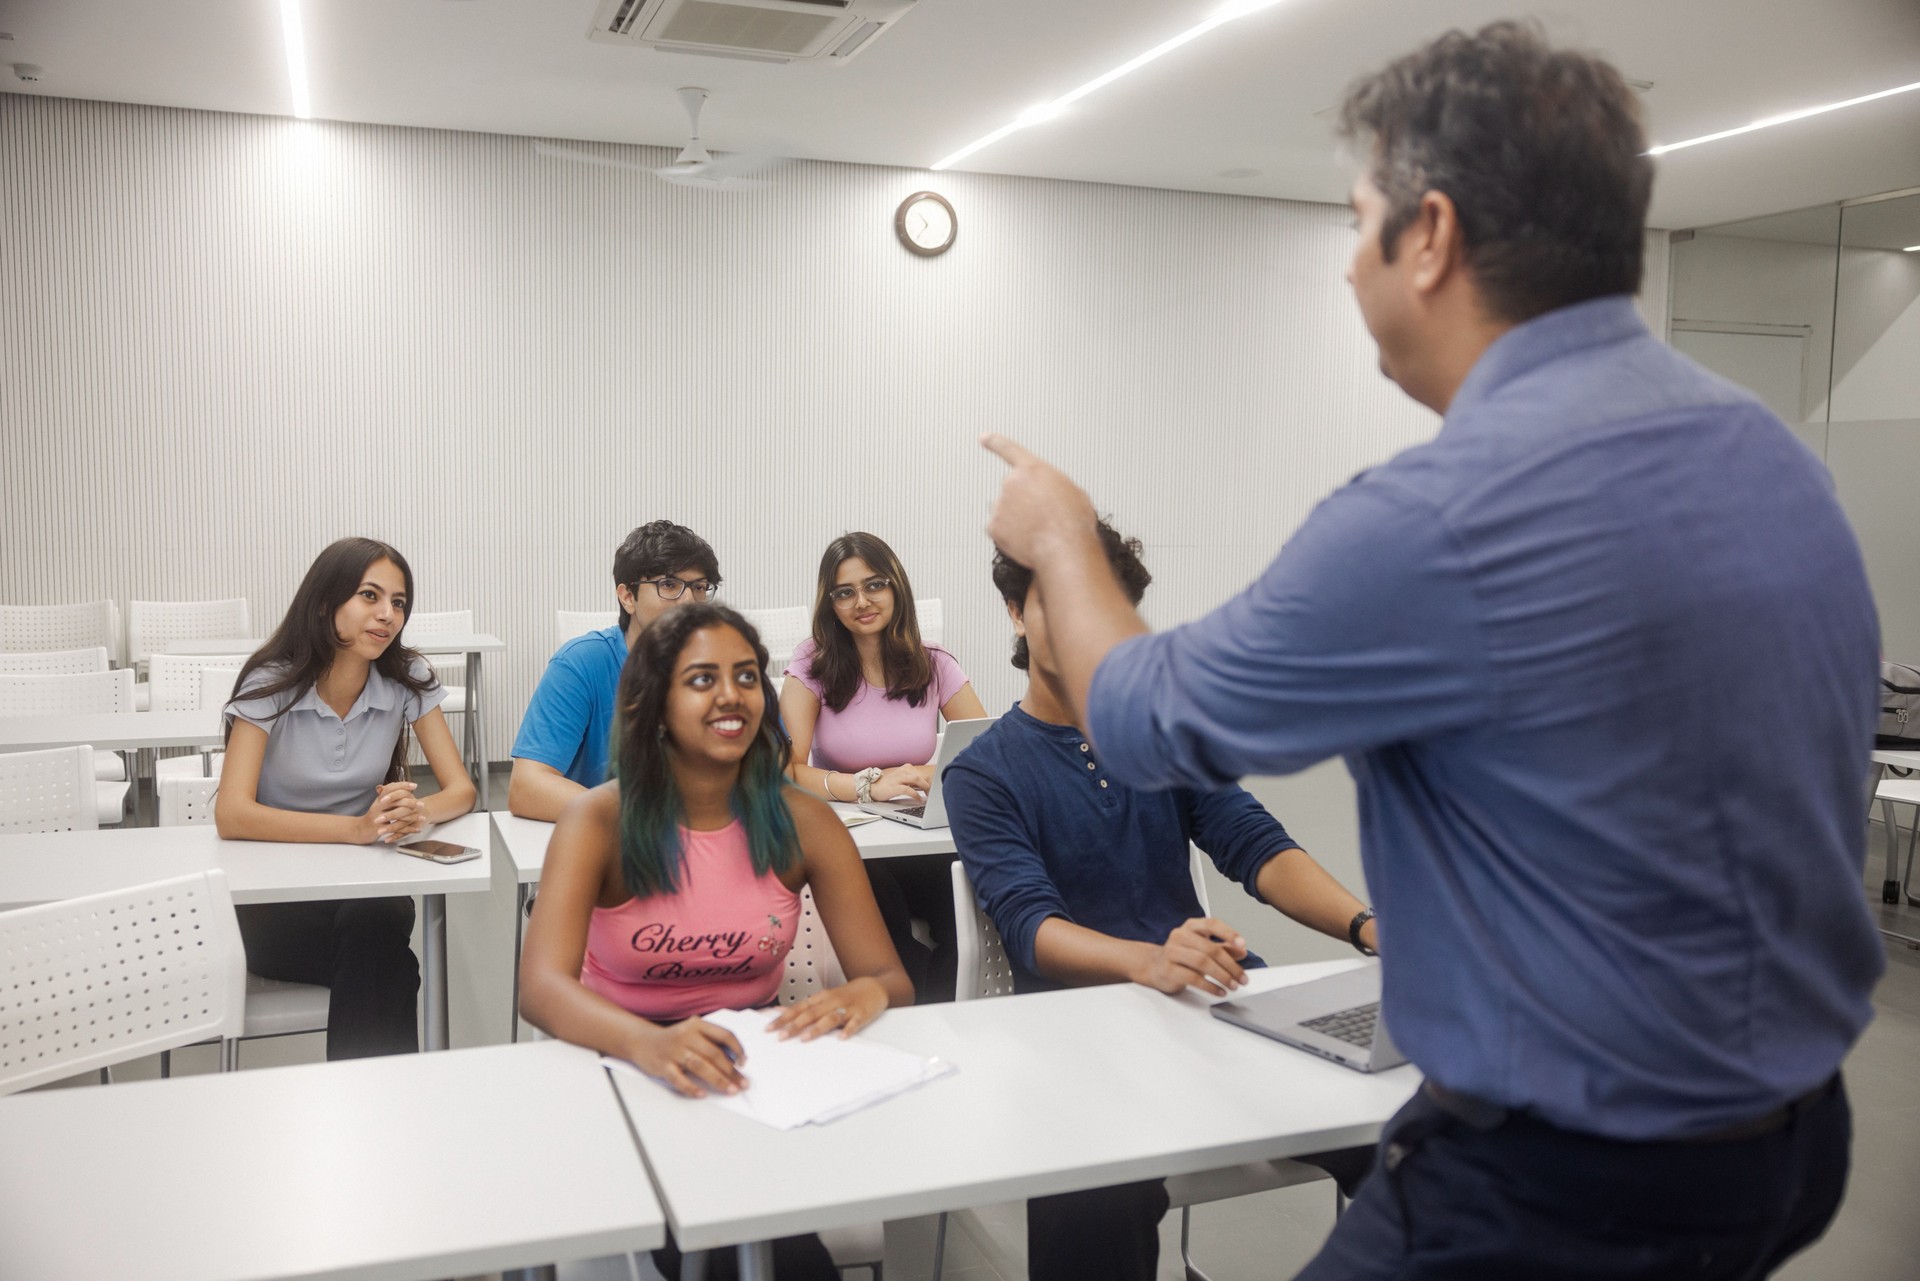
[154, 624]
[74, 694]
[811, 965]
[933, 619]
[50, 791]
[451, 669]
[781, 631]
[38, 628]
[89, 982]
[569, 623]
[175, 681]
[982, 961]
[55, 662]
[216, 687]
[186, 802]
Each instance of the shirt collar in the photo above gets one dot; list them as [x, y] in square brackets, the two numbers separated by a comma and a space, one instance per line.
[1027, 721]
[379, 695]
[1524, 348]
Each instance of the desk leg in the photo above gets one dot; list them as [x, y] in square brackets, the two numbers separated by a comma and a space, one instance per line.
[519, 924]
[1890, 877]
[434, 963]
[476, 741]
[545, 1272]
[756, 1261]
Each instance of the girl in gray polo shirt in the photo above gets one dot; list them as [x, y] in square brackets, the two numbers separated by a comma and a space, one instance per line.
[317, 736]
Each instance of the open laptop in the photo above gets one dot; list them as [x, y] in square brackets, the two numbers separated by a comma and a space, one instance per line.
[1337, 1017]
[932, 812]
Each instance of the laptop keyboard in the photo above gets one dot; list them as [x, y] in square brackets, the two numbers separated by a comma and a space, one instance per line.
[913, 811]
[1354, 1026]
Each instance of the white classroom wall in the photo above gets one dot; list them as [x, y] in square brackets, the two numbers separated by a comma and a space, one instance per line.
[230, 339]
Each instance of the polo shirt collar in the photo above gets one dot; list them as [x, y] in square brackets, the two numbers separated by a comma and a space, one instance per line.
[1524, 348]
[379, 695]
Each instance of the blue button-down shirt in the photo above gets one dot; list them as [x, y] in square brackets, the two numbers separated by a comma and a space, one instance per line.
[1045, 832]
[1602, 660]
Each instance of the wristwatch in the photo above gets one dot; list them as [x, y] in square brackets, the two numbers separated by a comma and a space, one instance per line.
[1360, 918]
[863, 784]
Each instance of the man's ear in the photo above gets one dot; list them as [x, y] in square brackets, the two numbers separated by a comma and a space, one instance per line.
[1435, 241]
[627, 603]
[1019, 622]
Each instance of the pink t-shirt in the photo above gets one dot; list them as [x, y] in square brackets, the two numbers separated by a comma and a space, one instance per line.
[719, 943]
[873, 729]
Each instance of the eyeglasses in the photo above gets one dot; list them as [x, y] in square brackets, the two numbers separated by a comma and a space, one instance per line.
[673, 588]
[872, 589]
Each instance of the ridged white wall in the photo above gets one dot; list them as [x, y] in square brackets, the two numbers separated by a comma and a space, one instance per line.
[226, 340]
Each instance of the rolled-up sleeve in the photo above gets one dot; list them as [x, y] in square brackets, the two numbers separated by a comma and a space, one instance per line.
[1362, 632]
[1009, 877]
[1236, 832]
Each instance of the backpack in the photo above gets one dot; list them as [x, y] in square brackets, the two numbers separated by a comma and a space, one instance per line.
[1899, 706]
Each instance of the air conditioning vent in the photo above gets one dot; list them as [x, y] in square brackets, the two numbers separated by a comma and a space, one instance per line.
[830, 31]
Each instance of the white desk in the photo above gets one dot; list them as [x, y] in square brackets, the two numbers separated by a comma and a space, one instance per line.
[111, 731]
[1055, 1092]
[391, 1169]
[526, 840]
[470, 644]
[59, 865]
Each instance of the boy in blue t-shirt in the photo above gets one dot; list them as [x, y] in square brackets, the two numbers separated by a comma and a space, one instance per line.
[562, 746]
[1088, 882]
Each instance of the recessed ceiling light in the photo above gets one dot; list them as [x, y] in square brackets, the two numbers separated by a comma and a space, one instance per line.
[295, 38]
[1788, 118]
[1048, 110]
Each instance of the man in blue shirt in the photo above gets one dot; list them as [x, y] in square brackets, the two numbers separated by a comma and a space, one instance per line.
[1602, 659]
[1087, 880]
[561, 749]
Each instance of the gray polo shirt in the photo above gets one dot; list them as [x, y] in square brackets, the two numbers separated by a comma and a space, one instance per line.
[316, 762]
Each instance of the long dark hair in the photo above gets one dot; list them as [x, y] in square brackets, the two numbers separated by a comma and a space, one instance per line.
[303, 646]
[651, 809]
[836, 662]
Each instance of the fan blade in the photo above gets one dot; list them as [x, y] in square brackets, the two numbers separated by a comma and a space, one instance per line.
[707, 182]
[587, 158]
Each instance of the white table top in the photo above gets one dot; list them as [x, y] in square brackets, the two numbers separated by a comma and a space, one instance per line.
[444, 643]
[526, 841]
[111, 731]
[387, 1169]
[49, 866]
[1055, 1092]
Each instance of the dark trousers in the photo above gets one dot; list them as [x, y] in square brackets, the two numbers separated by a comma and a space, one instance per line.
[1115, 1232]
[357, 949]
[920, 885]
[801, 1258]
[1520, 1200]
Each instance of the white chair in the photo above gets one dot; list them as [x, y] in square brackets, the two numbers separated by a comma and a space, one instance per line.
[153, 624]
[50, 791]
[272, 1007]
[56, 662]
[933, 617]
[53, 627]
[451, 670]
[89, 982]
[569, 623]
[189, 683]
[79, 694]
[781, 631]
[985, 970]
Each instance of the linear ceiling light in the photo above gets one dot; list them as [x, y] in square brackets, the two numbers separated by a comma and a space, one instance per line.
[1048, 110]
[295, 37]
[1788, 118]
[1911, 249]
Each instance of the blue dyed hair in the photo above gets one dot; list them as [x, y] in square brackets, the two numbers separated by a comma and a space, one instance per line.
[651, 811]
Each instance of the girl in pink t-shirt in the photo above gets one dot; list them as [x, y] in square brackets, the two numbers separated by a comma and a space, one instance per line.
[864, 696]
[673, 890]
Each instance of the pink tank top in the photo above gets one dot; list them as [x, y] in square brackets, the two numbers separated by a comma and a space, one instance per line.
[719, 943]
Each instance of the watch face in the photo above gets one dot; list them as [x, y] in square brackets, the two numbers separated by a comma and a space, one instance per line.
[925, 223]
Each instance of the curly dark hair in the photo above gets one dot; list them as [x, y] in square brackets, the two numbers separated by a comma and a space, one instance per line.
[1541, 150]
[657, 548]
[1123, 556]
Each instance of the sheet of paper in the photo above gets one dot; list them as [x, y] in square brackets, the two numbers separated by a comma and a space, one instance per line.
[796, 1083]
[854, 818]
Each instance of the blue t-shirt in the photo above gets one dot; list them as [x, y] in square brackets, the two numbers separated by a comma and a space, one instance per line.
[569, 723]
[1603, 661]
[1044, 831]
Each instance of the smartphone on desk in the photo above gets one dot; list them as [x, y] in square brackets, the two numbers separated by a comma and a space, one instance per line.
[440, 851]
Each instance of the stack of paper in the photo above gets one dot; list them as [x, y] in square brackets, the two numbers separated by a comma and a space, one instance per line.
[796, 1083]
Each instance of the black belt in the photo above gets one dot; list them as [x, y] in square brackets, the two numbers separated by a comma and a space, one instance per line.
[1483, 1115]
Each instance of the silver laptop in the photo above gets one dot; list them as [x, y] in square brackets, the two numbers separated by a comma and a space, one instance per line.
[1337, 1017]
[932, 812]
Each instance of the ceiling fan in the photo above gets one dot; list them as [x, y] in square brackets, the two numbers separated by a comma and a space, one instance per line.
[693, 167]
